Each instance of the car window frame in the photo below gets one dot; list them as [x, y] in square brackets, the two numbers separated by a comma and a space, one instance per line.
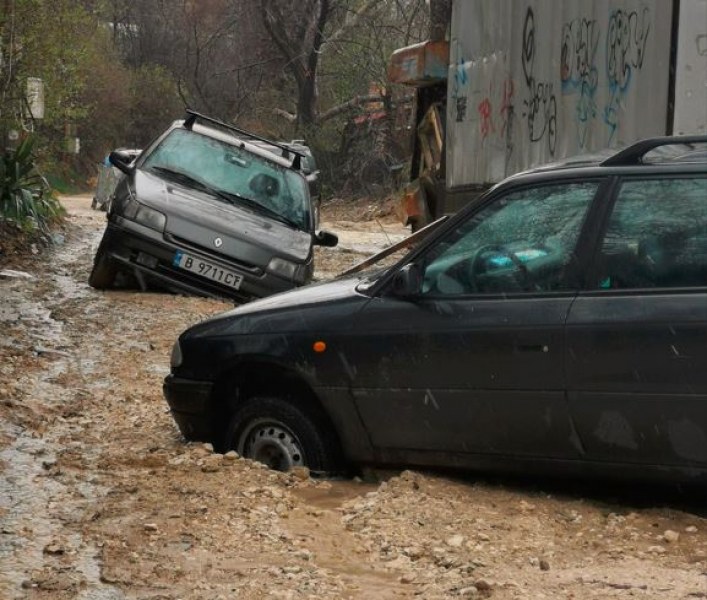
[603, 181]
[593, 269]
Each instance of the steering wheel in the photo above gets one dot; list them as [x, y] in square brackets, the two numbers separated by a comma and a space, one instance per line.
[520, 275]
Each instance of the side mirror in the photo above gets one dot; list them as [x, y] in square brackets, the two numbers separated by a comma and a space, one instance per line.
[121, 160]
[407, 281]
[326, 239]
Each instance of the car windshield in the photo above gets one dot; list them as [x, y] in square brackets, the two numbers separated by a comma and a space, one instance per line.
[233, 174]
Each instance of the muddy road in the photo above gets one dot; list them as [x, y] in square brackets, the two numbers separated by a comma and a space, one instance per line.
[101, 499]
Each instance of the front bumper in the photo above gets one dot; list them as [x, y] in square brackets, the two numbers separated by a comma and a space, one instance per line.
[149, 255]
[192, 407]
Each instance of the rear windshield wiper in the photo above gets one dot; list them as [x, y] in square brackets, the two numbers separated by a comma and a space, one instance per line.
[254, 204]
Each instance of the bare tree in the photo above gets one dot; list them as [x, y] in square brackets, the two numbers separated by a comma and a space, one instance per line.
[301, 37]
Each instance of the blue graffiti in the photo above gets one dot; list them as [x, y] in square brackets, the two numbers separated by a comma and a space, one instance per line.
[578, 71]
[625, 53]
[460, 81]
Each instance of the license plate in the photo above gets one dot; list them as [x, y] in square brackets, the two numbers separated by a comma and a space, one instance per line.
[207, 270]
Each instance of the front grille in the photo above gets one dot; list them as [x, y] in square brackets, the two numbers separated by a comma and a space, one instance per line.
[188, 245]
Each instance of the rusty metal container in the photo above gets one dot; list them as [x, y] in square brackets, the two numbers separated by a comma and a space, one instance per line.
[423, 64]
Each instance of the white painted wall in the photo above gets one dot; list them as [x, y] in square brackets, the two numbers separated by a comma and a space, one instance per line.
[691, 72]
[535, 81]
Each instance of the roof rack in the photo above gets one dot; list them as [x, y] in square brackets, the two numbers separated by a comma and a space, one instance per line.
[633, 155]
[194, 116]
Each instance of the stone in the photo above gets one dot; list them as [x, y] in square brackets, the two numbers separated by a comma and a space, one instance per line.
[671, 536]
[455, 541]
[407, 578]
[293, 570]
[414, 552]
[301, 473]
[150, 527]
[210, 467]
[231, 455]
[483, 585]
[691, 529]
[544, 565]
[54, 548]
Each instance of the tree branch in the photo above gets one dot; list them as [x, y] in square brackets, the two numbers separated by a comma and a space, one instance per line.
[351, 21]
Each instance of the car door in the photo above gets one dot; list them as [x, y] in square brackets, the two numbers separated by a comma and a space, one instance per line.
[474, 363]
[637, 339]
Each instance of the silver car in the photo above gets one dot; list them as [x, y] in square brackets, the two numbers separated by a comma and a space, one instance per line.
[204, 211]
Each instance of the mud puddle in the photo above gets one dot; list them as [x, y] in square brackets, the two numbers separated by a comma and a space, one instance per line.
[37, 497]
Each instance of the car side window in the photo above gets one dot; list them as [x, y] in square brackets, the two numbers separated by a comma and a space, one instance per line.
[656, 236]
[521, 242]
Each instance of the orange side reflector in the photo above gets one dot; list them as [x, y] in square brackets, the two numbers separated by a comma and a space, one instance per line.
[319, 346]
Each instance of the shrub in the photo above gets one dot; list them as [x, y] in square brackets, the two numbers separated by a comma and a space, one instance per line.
[25, 196]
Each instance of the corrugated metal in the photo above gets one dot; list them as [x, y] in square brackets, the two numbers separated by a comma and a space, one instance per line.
[534, 81]
[691, 72]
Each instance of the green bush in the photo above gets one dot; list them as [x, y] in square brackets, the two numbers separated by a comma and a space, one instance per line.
[25, 196]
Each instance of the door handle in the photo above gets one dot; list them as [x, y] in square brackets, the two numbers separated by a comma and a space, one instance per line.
[534, 348]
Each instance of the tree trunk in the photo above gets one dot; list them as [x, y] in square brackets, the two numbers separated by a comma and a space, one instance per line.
[440, 19]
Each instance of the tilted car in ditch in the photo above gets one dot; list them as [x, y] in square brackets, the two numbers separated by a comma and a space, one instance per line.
[205, 211]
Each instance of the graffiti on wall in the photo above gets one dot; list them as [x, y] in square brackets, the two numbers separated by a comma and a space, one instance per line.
[626, 40]
[567, 86]
[578, 71]
[459, 91]
[540, 104]
[496, 113]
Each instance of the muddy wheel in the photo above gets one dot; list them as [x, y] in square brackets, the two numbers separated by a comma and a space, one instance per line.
[281, 435]
[104, 271]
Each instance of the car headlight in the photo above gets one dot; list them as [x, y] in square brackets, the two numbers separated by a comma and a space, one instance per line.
[149, 217]
[288, 270]
[175, 359]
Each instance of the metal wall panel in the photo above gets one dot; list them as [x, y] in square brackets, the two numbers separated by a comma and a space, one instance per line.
[535, 81]
[691, 71]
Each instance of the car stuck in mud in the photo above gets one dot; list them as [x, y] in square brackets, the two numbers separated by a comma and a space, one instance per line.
[558, 325]
[205, 211]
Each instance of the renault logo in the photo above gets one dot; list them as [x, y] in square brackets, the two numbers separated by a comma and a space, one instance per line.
[218, 242]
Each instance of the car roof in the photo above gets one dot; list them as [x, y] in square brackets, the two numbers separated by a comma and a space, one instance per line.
[683, 154]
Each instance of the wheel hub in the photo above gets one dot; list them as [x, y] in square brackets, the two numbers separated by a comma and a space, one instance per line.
[274, 446]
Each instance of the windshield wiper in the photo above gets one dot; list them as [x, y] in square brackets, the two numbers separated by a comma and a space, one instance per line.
[238, 199]
[183, 177]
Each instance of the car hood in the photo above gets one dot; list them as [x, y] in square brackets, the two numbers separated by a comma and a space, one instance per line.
[315, 308]
[193, 214]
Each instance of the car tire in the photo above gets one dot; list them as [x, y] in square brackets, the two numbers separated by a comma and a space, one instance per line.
[283, 435]
[104, 271]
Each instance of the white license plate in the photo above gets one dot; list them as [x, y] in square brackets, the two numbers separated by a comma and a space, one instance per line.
[207, 270]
